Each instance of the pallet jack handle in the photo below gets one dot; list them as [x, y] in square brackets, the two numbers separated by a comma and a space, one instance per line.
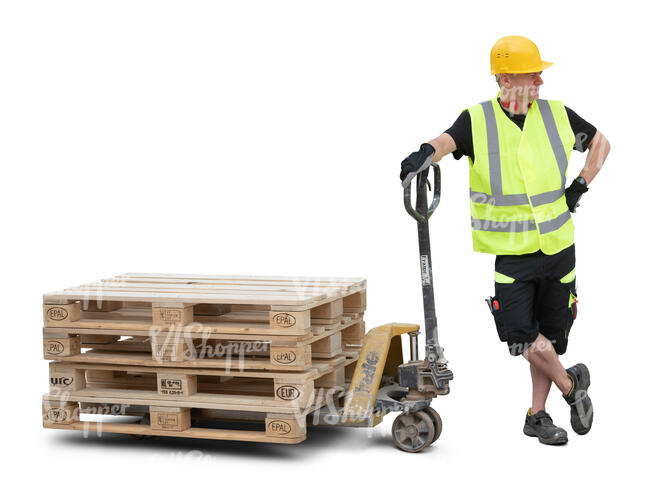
[421, 213]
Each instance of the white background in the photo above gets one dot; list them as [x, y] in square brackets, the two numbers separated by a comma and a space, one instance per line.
[265, 138]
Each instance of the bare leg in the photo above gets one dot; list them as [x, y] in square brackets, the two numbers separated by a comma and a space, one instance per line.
[543, 357]
[541, 387]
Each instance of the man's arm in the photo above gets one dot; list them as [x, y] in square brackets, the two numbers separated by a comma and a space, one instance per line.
[598, 151]
[440, 146]
[443, 144]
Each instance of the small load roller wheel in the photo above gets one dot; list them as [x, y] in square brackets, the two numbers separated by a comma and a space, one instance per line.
[413, 432]
[437, 422]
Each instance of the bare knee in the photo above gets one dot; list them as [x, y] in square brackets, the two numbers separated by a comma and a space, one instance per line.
[540, 347]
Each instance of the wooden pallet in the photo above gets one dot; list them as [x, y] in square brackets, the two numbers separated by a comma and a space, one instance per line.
[169, 399]
[217, 304]
[177, 421]
[182, 416]
[179, 349]
[208, 386]
[128, 325]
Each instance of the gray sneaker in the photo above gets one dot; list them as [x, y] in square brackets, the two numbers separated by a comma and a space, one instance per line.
[542, 427]
[582, 412]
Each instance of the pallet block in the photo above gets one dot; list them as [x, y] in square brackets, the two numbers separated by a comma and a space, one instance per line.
[169, 419]
[176, 384]
[66, 378]
[61, 347]
[60, 412]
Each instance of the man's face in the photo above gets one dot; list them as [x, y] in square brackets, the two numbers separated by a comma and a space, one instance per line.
[523, 86]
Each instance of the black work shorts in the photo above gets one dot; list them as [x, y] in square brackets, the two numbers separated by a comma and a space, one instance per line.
[535, 293]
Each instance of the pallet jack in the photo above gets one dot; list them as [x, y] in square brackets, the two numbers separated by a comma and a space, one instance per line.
[382, 382]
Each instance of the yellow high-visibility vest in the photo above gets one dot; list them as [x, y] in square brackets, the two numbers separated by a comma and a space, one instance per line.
[517, 179]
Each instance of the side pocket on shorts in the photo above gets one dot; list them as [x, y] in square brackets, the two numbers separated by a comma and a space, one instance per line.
[494, 303]
[572, 310]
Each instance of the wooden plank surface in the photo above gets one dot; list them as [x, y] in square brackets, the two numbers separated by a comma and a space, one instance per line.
[243, 278]
[103, 321]
[142, 362]
[280, 338]
[219, 434]
[198, 400]
[212, 289]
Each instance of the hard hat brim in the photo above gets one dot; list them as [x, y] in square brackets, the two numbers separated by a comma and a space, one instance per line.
[534, 69]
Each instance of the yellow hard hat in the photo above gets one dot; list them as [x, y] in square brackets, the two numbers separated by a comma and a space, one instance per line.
[516, 54]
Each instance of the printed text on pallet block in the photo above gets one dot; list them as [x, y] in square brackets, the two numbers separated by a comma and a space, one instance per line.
[169, 418]
[61, 346]
[60, 412]
[65, 378]
[285, 426]
[174, 384]
[61, 314]
[292, 320]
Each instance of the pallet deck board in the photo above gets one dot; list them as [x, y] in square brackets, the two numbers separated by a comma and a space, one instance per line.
[317, 332]
[278, 291]
[175, 297]
[137, 356]
[211, 288]
[199, 433]
[206, 289]
[243, 278]
[139, 362]
[207, 328]
[199, 400]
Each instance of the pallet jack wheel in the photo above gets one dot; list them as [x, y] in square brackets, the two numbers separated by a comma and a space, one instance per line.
[437, 422]
[413, 432]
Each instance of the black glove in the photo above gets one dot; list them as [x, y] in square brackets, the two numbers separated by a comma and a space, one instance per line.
[415, 160]
[573, 194]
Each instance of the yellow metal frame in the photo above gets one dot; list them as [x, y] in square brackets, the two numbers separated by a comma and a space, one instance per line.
[380, 355]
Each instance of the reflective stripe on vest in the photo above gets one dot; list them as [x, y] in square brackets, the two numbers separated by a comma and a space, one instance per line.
[520, 226]
[497, 198]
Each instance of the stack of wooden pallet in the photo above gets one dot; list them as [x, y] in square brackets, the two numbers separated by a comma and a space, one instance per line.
[178, 349]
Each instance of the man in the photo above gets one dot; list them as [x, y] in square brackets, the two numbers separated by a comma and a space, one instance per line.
[518, 147]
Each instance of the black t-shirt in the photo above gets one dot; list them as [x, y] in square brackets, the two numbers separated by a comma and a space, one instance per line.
[461, 132]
